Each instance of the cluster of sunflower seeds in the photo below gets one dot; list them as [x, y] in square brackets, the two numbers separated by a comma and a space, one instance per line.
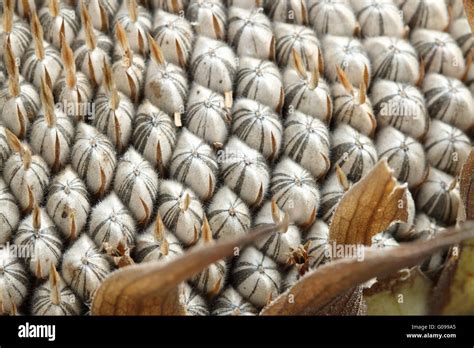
[132, 130]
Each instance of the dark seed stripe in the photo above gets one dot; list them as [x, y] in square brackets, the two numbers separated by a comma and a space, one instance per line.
[226, 305]
[184, 160]
[42, 304]
[397, 151]
[329, 201]
[445, 147]
[204, 64]
[203, 277]
[389, 67]
[239, 216]
[431, 50]
[297, 145]
[89, 271]
[332, 11]
[249, 81]
[66, 13]
[31, 63]
[75, 187]
[7, 202]
[31, 239]
[283, 183]
[150, 247]
[20, 36]
[199, 113]
[350, 153]
[28, 98]
[177, 31]
[194, 305]
[15, 277]
[196, 10]
[289, 8]
[440, 100]
[240, 166]
[172, 77]
[173, 213]
[253, 129]
[81, 51]
[398, 119]
[151, 128]
[104, 118]
[440, 204]
[244, 270]
[376, 12]
[110, 226]
[421, 14]
[132, 183]
[252, 25]
[287, 42]
[103, 152]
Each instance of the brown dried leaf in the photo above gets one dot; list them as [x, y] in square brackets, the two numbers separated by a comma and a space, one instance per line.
[369, 207]
[350, 303]
[454, 292]
[467, 186]
[318, 288]
[153, 288]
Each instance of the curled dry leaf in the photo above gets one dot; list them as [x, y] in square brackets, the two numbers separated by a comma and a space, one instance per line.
[370, 207]
[454, 292]
[153, 288]
[350, 303]
[405, 293]
[318, 288]
[467, 186]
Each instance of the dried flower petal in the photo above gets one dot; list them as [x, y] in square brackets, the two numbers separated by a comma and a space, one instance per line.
[154, 288]
[311, 294]
[369, 207]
